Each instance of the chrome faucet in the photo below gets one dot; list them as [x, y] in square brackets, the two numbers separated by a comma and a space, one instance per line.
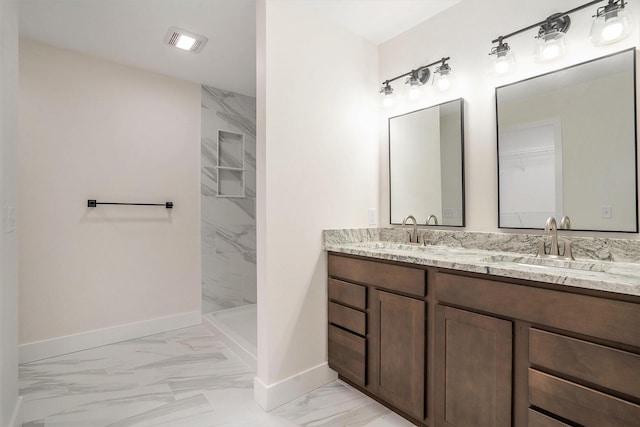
[551, 228]
[435, 219]
[565, 223]
[413, 237]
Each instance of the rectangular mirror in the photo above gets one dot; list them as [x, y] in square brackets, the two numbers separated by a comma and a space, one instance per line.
[567, 147]
[426, 171]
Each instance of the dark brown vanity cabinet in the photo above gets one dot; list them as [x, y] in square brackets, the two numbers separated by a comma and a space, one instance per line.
[472, 350]
[347, 344]
[387, 358]
[399, 357]
[575, 354]
[473, 369]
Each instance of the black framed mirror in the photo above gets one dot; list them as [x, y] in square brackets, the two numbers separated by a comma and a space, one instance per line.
[567, 147]
[426, 165]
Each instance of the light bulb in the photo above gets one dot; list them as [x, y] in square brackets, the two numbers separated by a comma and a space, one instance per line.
[612, 25]
[185, 42]
[444, 77]
[502, 66]
[550, 51]
[612, 30]
[444, 83]
[388, 101]
[502, 59]
[550, 46]
[414, 92]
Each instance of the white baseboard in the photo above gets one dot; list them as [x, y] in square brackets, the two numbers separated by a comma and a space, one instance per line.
[16, 417]
[277, 394]
[38, 350]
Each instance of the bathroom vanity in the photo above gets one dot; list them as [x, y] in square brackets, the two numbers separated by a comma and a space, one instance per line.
[458, 337]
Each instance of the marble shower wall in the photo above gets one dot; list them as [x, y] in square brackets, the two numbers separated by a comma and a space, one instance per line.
[228, 223]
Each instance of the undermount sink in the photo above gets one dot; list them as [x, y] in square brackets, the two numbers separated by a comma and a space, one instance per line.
[543, 262]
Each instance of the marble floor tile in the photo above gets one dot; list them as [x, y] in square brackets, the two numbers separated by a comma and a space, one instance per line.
[181, 378]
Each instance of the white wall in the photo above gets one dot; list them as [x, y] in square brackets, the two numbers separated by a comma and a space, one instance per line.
[93, 129]
[317, 169]
[8, 197]
[464, 32]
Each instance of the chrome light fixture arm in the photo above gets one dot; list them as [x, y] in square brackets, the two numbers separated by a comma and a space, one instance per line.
[550, 19]
[419, 75]
[611, 6]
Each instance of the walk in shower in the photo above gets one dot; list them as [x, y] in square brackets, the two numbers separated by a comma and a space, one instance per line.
[228, 216]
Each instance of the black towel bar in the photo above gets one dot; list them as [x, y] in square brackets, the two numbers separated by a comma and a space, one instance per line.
[93, 204]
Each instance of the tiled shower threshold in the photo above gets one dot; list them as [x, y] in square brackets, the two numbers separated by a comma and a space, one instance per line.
[237, 328]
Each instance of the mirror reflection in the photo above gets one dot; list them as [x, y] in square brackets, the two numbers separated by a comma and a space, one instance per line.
[426, 165]
[567, 147]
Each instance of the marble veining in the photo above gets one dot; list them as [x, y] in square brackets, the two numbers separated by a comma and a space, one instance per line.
[184, 378]
[506, 255]
[603, 249]
[227, 223]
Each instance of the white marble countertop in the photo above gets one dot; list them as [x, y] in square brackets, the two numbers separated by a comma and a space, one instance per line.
[617, 277]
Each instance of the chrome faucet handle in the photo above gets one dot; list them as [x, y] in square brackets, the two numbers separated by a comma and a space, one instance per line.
[424, 239]
[568, 254]
[551, 228]
[541, 249]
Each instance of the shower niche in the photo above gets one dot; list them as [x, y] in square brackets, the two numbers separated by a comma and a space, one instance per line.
[230, 167]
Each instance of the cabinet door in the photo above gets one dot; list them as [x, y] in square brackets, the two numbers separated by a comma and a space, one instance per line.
[400, 329]
[473, 369]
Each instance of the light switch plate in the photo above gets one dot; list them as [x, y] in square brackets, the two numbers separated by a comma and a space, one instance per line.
[373, 216]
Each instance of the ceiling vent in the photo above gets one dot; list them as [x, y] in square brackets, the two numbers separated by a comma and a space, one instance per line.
[185, 40]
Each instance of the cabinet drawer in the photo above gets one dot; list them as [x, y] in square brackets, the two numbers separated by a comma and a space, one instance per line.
[348, 293]
[393, 277]
[536, 419]
[604, 366]
[599, 317]
[347, 353]
[348, 318]
[580, 404]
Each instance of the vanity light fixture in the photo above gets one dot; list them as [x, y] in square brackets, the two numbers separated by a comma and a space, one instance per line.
[185, 40]
[416, 81]
[551, 41]
[418, 78]
[444, 77]
[388, 98]
[504, 59]
[611, 23]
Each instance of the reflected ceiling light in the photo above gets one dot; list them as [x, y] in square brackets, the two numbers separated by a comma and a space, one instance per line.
[611, 23]
[416, 79]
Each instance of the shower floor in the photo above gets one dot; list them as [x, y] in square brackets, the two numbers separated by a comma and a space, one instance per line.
[238, 328]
